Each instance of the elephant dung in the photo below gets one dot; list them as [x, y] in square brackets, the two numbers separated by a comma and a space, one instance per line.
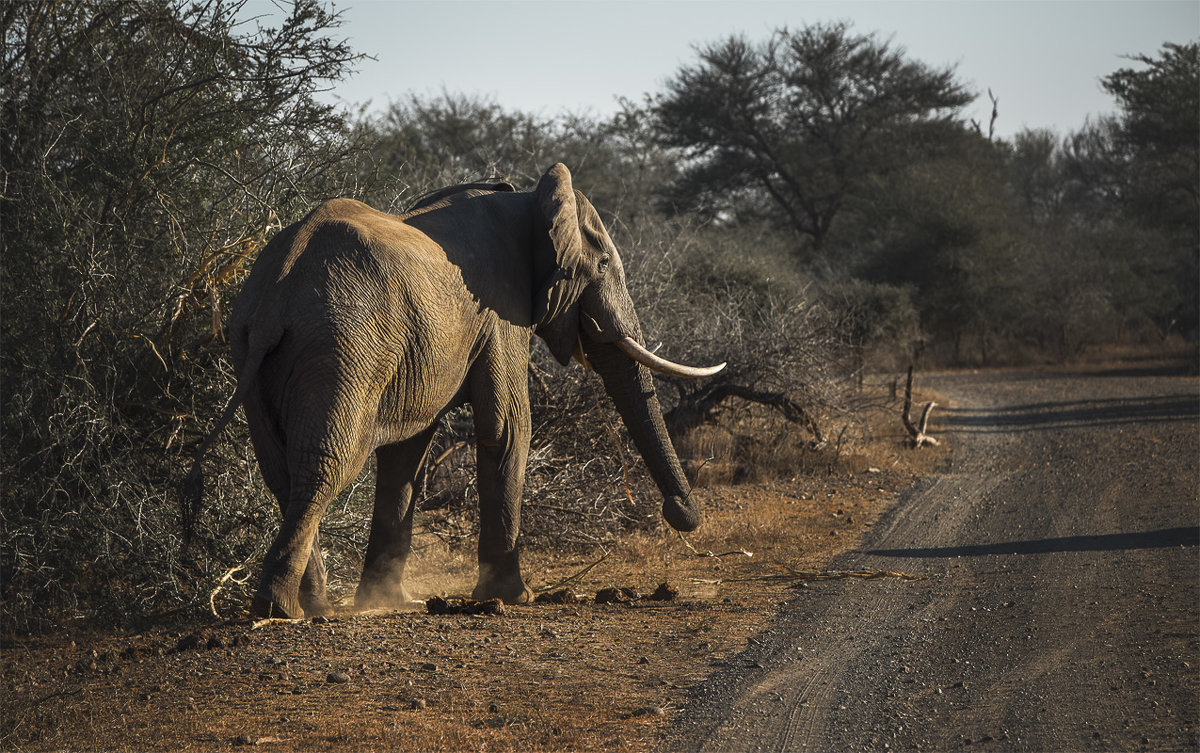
[627, 595]
[437, 605]
[621, 595]
[565, 596]
[664, 592]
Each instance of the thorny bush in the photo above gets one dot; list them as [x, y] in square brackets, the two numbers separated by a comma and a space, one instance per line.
[149, 150]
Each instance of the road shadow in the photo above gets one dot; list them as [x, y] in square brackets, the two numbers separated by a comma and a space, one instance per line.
[1179, 368]
[1160, 539]
[1072, 414]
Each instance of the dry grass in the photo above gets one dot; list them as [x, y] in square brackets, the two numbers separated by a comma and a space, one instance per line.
[543, 677]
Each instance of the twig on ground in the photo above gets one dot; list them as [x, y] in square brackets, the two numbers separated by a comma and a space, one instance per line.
[212, 604]
[710, 553]
[270, 621]
[572, 578]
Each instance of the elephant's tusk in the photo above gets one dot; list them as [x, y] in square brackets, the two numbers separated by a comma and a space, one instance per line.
[661, 365]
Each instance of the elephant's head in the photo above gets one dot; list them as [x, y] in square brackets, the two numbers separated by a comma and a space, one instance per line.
[582, 308]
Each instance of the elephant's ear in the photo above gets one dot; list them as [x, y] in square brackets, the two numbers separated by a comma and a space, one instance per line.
[557, 284]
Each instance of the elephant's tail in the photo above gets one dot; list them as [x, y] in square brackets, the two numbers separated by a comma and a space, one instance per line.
[192, 488]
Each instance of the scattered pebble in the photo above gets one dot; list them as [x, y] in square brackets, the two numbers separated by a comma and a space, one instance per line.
[243, 740]
[337, 677]
[418, 704]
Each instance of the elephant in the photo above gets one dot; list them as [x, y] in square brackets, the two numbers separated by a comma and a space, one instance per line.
[356, 331]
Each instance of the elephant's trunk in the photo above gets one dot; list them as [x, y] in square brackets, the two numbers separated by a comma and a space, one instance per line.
[631, 388]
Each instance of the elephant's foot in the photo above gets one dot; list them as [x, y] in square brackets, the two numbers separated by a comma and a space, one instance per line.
[315, 604]
[263, 607]
[506, 585]
[381, 594]
[276, 602]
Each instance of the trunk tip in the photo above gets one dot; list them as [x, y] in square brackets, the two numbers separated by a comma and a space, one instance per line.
[681, 514]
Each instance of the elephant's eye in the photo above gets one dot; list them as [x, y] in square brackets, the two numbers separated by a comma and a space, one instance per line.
[604, 260]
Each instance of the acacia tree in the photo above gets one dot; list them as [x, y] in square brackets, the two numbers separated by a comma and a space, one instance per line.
[450, 138]
[1158, 135]
[796, 126]
[1159, 126]
[1131, 181]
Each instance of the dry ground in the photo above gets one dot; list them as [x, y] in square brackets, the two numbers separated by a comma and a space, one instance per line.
[541, 677]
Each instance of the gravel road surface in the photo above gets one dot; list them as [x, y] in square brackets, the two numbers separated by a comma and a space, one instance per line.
[1060, 606]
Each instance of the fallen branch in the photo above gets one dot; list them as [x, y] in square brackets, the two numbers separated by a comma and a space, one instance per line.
[212, 604]
[256, 624]
[694, 411]
[916, 433]
[572, 578]
[699, 553]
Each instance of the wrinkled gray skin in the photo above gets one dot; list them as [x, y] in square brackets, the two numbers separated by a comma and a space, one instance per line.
[357, 330]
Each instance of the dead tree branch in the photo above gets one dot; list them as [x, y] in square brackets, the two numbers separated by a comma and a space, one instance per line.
[916, 433]
[702, 408]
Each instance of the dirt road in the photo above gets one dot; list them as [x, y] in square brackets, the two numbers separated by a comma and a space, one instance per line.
[1060, 607]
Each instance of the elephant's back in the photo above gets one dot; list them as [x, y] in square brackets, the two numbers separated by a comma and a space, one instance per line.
[348, 273]
[349, 234]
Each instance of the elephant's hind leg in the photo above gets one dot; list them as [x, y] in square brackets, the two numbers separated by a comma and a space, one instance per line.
[293, 578]
[314, 593]
[320, 464]
[398, 466]
[314, 597]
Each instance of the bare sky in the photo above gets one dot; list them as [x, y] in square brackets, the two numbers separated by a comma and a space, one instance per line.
[1043, 59]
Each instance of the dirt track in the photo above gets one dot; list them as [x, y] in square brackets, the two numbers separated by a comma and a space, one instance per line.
[1060, 609]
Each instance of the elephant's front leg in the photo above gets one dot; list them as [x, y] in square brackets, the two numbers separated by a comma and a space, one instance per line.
[500, 399]
[397, 467]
